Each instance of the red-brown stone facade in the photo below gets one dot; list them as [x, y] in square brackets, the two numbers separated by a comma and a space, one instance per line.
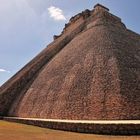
[90, 72]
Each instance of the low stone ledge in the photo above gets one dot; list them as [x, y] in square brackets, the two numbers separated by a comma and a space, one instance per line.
[95, 128]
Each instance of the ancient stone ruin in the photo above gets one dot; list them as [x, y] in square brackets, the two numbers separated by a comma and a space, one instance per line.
[91, 71]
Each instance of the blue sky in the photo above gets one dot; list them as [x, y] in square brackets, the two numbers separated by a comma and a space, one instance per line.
[27, 26]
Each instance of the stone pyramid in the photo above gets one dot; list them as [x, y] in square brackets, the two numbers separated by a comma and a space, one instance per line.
[89, 72]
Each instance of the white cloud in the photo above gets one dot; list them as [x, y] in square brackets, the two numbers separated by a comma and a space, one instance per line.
[56, 13]
[3, 70]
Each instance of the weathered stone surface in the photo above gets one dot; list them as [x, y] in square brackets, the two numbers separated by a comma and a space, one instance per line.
[91, 71]
[20, 82]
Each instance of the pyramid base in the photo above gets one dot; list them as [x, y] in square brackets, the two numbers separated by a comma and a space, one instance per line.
[118, 127]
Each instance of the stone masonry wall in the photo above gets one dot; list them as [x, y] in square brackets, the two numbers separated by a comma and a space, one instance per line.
[20, 82]
[95, 128]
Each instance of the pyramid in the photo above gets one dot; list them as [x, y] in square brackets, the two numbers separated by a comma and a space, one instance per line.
[89, 72]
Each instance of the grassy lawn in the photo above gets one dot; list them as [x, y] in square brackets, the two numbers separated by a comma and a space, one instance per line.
[15, 131]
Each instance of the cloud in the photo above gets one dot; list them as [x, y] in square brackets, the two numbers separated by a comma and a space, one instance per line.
[56, 13]
[3, 70]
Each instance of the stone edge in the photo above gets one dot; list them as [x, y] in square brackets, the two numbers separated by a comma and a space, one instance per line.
[106, 129]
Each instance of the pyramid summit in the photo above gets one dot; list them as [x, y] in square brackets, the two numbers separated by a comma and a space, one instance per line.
[91, 71]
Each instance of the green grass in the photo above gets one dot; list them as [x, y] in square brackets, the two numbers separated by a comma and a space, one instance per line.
[15, 131]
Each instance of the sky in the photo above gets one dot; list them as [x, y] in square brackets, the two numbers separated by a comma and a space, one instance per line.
[28, 26]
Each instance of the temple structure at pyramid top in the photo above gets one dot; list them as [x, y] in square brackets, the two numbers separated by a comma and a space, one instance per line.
[98, 16]
[91, 71]
[100, 7]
